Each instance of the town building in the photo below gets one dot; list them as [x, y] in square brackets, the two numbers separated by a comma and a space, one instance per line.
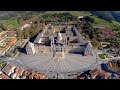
[15, 72]
[7, 39]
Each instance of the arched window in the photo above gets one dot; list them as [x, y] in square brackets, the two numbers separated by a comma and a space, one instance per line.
[61, 49]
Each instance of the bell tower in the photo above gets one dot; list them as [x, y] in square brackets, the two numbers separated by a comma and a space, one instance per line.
[65, 44]
[52, 44]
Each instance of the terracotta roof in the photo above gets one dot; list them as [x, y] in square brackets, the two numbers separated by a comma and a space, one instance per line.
[26, 73]
[32, 75]
[7, 71]
[109, 64]
[82, 77]
[104, 73]
[2, 76]
[94, 72]
[19, 70]
[39, 76]
[16, 69]
[99, 71]
[10, 67]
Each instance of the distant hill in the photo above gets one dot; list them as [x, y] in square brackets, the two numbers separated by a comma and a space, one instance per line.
[13, 19]
[116, 15]
[107, 15]
[12, 14]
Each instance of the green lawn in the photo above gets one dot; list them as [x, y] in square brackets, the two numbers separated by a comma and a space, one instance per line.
[102, 22]
[53, 12]
[78, 13]
[102, 56]
[115, 22]
[74, 13]
[11, 24]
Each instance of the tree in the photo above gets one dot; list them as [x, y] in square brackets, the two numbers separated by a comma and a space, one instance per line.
[89, 19]
[19, 34]
[96, 43]
[3, 26]
[107, 15]
[26, 33]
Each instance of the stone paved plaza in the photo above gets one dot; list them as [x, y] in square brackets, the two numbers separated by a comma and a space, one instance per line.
[45, 62]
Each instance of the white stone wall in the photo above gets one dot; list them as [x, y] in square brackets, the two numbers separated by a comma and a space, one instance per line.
[30, 49]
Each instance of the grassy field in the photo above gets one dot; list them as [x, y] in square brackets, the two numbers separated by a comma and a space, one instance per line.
[53, 12]
[11, 24]
[102, 22]
[78, 13]
[117, 25]
[74, 13]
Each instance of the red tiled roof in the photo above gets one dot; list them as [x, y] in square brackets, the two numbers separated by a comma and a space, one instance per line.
[3, 76]
[94, 72]
[18, 70]
[32, 75]
[81, 77]
[27, 73]
[39, 76]
[10, 67]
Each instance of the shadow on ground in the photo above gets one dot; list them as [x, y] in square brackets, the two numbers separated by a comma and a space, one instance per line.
[106, 68]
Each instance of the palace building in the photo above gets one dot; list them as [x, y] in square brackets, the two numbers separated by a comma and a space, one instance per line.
[59, 41]
[59, 49]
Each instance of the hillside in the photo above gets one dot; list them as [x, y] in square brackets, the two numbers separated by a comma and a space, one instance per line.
[14, 19]
[107, 15]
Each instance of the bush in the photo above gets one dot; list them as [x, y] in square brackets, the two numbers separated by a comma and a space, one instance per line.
[102, 56]
[2, 65]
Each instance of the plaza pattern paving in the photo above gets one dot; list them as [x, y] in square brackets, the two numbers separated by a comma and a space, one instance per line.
[45, 62]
